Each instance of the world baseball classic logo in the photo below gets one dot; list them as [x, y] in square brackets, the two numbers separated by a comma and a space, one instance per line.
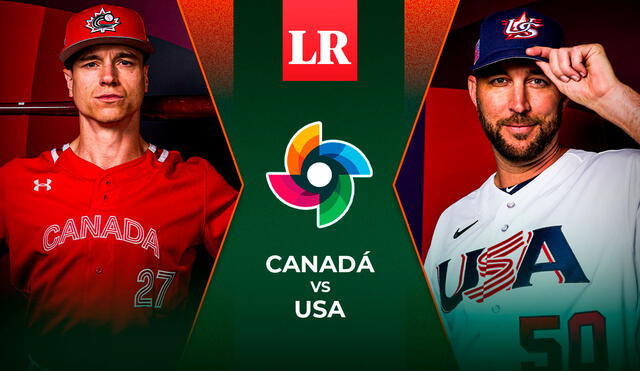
[319, 174]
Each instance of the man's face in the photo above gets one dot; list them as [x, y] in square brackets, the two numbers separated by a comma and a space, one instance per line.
[519, 108]
[108, 82]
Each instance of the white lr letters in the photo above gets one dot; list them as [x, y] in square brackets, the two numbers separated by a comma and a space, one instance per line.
[297, 43]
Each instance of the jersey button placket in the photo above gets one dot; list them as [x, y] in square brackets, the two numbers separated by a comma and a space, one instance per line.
[507, 213]
[105, 186]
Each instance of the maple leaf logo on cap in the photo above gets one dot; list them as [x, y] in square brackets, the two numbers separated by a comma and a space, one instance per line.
[102, 22]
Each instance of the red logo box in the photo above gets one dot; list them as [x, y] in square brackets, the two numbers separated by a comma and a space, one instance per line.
[320, 40]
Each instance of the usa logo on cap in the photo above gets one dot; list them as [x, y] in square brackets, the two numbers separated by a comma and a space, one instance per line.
[508, 34]
[521, 28]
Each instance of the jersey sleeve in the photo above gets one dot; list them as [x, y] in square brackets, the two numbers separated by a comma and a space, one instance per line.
[636, 245]
[635, 204]
[219, 201]
[434, 254]
[430, 262]
[2, 205]
[3, 226]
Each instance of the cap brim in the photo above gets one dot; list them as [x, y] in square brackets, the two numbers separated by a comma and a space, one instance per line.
[504, 55]
[144, 46]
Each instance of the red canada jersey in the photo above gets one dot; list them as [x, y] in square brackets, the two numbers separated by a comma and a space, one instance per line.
[108, 248]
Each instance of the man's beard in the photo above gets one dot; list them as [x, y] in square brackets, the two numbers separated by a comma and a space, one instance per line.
[547, 130]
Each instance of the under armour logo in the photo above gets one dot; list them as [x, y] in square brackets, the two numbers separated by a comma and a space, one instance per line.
[47, 185]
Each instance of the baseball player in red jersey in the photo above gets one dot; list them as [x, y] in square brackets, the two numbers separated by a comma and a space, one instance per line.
[539, 267]
[102, 231]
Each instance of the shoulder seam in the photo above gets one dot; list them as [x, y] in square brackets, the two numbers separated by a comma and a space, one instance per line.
[576, 156]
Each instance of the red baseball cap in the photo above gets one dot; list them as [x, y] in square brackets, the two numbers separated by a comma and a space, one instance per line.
[105, 24]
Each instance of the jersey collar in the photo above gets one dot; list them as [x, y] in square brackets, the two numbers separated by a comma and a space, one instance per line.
[80, 167]
[550, 177]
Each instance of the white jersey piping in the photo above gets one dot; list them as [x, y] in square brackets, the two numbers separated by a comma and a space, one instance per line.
[164, 155]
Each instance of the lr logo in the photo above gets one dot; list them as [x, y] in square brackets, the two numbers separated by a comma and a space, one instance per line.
[320, 40]
[297, 48]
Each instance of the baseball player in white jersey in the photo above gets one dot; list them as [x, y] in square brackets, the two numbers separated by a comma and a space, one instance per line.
[539, 268]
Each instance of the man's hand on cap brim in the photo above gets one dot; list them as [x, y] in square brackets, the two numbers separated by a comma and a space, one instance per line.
[565, 63]
[582, 73]
[598, 88]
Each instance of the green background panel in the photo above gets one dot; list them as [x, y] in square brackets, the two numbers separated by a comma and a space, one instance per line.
[248, 320]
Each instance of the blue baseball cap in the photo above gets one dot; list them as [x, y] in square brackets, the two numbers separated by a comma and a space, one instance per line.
[508, 34]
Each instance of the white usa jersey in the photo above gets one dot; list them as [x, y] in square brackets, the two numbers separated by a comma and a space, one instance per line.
[547, 276]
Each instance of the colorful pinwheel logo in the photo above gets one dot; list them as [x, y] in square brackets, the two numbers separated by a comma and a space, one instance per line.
[319, 174]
